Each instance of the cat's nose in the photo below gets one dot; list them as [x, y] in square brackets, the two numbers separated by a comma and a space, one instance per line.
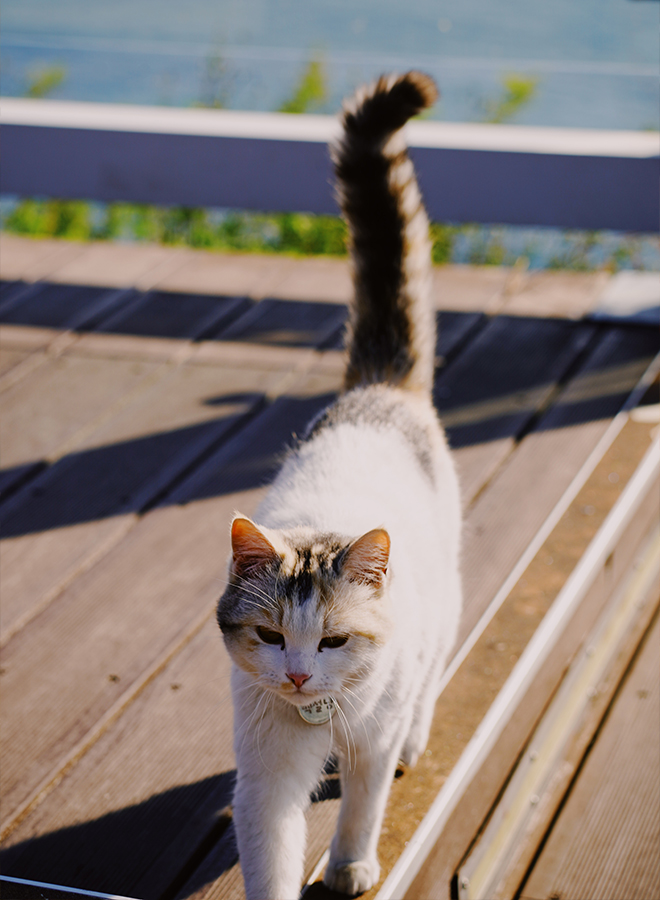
[298, 678]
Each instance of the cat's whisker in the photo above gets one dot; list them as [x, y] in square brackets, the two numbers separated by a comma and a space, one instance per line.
[249, 587]
[253, 715]
[348, 746]
[360, 717]
[252, 688]
[328, 755]
[373, 718]
[271, 603]
[269, 697]
[350, 739]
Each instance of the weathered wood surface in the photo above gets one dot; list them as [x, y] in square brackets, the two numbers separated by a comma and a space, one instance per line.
[606, 840]
[492, 660]
[116, 713]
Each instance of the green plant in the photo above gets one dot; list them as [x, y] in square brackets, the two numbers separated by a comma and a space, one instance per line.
[578, 253]
[43, 80]
[442, 242]
[517, 92]
[310, 92]
[52, 218]
[217, 83]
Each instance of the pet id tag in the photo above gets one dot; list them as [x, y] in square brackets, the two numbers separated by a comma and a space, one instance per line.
[319, 712]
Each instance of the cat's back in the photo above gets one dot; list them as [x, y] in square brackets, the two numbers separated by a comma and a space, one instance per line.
[377, 456]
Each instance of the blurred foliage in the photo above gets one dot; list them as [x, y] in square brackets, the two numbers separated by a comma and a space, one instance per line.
[42, 81]
[294, 233]
[300, 234]
[51, 218]
[517, 92]
[442, 242]
[311, 91]
[576, 254]
[217, 83]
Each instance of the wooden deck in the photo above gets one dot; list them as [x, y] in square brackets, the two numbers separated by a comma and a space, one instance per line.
[147, 393]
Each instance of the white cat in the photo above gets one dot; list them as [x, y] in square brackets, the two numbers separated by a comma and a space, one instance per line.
[343, 601]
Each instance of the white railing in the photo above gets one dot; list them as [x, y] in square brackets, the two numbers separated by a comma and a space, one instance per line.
[572, 178]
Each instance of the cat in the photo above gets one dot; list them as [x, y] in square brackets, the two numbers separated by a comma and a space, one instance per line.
[343, 595]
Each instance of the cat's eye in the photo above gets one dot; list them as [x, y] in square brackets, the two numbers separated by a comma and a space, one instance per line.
[270, 637]
[332, 642]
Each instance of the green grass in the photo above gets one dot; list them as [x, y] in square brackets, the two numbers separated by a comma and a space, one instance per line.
[294, 233]
[299, 234]
[517, 92]
[291, 233]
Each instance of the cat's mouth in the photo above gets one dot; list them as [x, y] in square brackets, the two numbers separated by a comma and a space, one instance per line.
[300, 696]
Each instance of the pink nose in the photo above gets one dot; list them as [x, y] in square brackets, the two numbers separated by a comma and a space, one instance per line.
[298, 678]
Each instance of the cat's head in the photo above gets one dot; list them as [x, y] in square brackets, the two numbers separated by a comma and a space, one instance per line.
[305, 613]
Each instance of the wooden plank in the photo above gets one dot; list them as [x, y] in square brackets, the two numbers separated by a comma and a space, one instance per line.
[571, 295]
[161, 433]
[469, 288]
[118, 264]
[163, 314]
[63, 306]
[33, 319]
[33, 258]
[12, 291]
[39, 416]
[456, 287]
[35, 316]
[169, 315]
[287, 323]
[10, 357]
[454, 331]
[164, 772]
[28, 338]
[468, 696]
[122, 615]
[319, 279]
[91, 495]
[241, 472]
[98, 638]
[606, 841]
[560, 444]
[10, 287]
[233, 274]
[493, 390]
[505, 376]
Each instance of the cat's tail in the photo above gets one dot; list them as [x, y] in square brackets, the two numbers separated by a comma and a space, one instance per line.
[391, 330]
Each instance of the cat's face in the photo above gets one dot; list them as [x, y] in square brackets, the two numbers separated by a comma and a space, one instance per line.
[305, 614]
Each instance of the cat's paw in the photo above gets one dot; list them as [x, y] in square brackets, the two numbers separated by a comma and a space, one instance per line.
[352, 878]
[413, 748]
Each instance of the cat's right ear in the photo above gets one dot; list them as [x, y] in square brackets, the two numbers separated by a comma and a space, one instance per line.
[251, 549]
[367, 558]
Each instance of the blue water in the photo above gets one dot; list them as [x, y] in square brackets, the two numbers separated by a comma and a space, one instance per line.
[596, 61]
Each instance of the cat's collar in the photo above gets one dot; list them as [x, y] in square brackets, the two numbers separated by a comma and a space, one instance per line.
[319, 712]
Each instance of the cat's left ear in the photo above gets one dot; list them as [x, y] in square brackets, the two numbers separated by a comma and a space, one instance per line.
[251, 549]
[367, 558]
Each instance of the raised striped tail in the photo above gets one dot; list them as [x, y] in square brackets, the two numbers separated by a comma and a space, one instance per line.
[391, 330]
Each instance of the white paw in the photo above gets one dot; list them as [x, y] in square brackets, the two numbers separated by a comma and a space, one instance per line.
[413, 748]
[352, 878]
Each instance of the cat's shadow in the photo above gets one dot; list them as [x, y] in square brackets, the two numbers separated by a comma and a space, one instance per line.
[108, 853]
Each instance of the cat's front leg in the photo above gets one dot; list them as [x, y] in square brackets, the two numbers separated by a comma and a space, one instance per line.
[279, 762]
[271, 835]
[365, 785]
